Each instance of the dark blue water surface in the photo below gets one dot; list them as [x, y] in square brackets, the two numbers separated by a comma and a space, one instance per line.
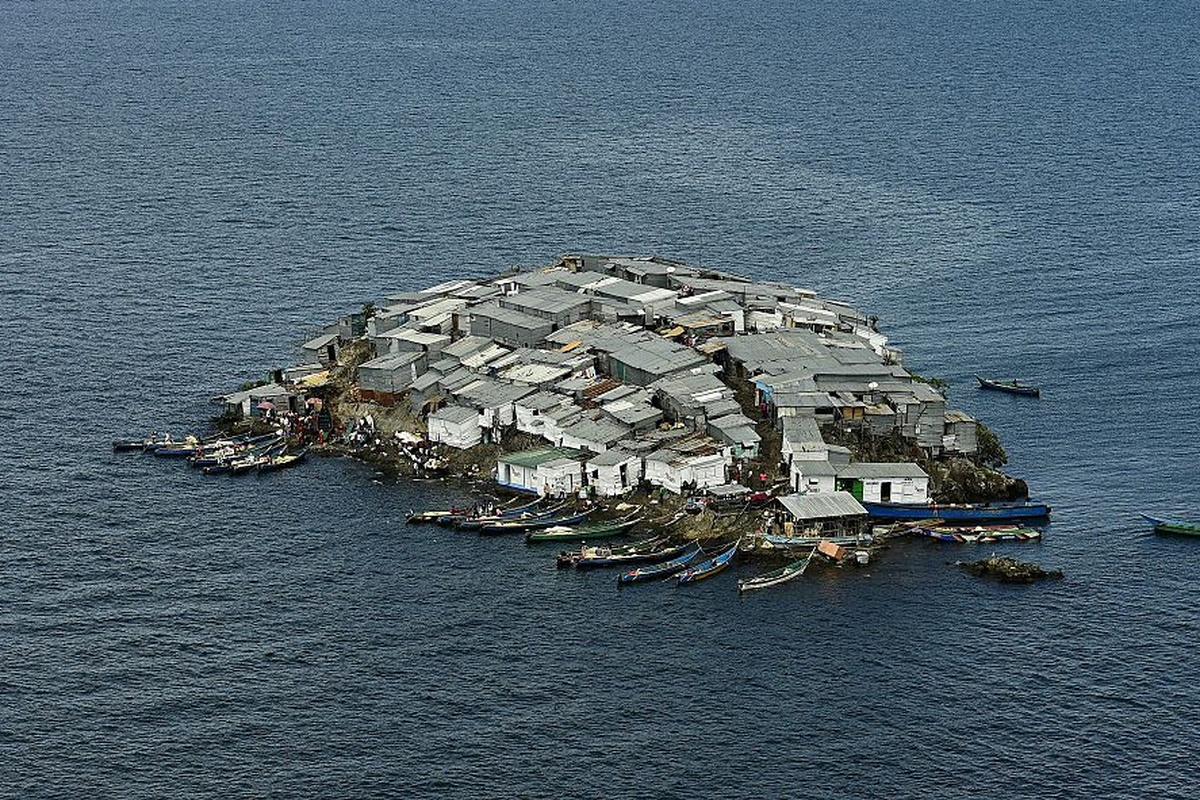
[187, 189]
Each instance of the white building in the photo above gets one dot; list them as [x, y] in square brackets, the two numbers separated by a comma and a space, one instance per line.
[614, 472]
[455, 426]
[543, 470]
[672, 469]
[889, 482]
[813, 477]
[560, 477]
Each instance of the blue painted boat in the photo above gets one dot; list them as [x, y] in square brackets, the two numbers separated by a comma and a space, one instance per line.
[706, 569]
[993, 512]
[662, 569]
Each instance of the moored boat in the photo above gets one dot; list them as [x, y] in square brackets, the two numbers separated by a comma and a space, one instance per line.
[1174, 526]
[994, 512]
[983, 535]
[417, 517]
[177, 450]
[529, 511]
[661, 569]
[813, 541]
[1012, 387]
[579, 533]
[775, 577]
[533, 524]
[283, 460]
[131, 445]
[638, 553]
[706, 569]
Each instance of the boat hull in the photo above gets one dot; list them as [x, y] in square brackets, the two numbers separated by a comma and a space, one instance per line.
[780, 576]
[531, 525]
[663, 570]
[581, 535]
[631, 558]
[1008, 388]
[963, 513]
[708, 568]
[1174, 527]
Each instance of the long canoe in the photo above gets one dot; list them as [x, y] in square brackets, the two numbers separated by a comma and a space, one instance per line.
[661, 569]
[130, 445]
[776, 576]
[1174, 526]
[1012, 387]
[994, 512]
[983, 535]
[813, 541]
[593, 557]
[533, 524]
[417, 517]
[283, 461]
[706, 569]
[579, 533]
[528, 511]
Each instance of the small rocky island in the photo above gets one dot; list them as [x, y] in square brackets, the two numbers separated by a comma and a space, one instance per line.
[701, 403]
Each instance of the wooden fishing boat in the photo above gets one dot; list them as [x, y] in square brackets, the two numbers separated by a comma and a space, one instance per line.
[250, 461]
[777, 576]
[661, 569]
[532, 524]
[706, 569]
[417, 517]
[579, 533]
[813, 541]
[1012, 387]
[244, 465]
[207, 458]
[219, 450]
[283, 461]
[648, 550]
[218, 469]
[526, 512]
[988, 534]
[1174, 526]
[176, 450]
[130, 445]
[994, 512]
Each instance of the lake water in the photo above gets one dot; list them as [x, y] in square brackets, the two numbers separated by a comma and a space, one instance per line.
[187, 190]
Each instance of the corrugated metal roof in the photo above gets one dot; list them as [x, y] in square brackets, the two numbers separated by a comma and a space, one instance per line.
[611, 458]
[393, 361]
[801, 429]
[455, 414]
[510, 316]
[889, 469]
[823, 505]
[319, 342]
[541, 455]
[535, 373]
[548, 300]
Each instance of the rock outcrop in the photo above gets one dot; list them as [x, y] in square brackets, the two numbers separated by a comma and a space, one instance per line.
[1008, 570]
[961, 480]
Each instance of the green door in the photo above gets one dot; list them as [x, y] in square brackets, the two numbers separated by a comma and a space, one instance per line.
[856, 490]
